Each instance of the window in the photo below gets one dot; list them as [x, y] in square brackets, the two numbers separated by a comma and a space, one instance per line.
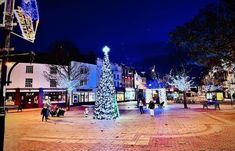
[29, 69]
[117, 76]
[83, 82]
[53, 83]
[53, 70]
[28, 82]
[83, 70]
[114, 76]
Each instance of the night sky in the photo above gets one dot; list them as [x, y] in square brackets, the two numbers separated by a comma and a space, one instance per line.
[135, 30]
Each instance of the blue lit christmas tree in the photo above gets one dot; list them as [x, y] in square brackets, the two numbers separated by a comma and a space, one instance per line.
[106, 104]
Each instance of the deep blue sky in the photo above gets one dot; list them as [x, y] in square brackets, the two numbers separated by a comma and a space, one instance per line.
[134, 29]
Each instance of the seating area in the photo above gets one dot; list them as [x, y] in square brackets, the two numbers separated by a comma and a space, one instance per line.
[57, 111]
[12, 107]
[209, 103]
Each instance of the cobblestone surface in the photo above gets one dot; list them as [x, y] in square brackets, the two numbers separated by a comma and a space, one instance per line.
[172, 128]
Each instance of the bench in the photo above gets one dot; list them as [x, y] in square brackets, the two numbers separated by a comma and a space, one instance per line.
[9, 107]
[215, 104]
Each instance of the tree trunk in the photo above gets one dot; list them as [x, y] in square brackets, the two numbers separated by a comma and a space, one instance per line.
[68, 101]
[185, 101]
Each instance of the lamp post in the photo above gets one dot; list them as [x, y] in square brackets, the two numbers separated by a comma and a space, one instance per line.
[7, 26]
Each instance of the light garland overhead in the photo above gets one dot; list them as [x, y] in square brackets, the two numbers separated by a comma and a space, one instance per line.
[31, 8]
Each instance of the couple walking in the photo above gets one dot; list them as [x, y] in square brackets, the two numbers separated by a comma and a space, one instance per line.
[151, 106]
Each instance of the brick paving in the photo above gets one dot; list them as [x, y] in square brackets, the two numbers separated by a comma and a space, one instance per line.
[172, 128]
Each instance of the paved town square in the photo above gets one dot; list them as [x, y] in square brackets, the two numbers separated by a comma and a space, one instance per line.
[172, 128]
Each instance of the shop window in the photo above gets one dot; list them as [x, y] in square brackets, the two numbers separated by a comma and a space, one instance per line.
[29, 69]
[28, 82]
[83, 82]
[53, 70]
[53, 83]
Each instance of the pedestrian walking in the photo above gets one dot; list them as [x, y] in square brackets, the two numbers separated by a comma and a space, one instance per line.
[151, 107]
[141, 106]
[44, 113]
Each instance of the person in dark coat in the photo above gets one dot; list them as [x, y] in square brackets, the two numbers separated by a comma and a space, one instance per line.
[141, 106]
[44, 113]
[151, 107]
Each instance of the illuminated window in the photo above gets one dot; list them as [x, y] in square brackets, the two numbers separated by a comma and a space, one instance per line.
[28, 82]
[53, 83]
[29, 69]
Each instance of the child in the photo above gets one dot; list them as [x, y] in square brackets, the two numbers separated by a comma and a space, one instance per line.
[86, 112]
[44, 113]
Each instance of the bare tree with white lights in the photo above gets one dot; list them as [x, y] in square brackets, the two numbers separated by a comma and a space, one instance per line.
[70, 76]
[181, 81]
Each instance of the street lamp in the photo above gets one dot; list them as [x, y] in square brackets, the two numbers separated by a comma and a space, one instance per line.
[4, 55]
[7, 25]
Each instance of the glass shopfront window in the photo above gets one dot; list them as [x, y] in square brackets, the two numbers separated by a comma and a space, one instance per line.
[29, 99]
[130, 94]
[55, 97]
[120, 96]
[79, 97]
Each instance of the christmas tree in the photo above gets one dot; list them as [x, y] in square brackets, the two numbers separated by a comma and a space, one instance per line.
[106, 104]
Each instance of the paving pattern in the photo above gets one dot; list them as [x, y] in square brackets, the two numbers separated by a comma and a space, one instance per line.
[172, 128]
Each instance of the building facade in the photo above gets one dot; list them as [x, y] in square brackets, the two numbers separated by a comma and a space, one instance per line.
[29, 87]
[32, 83]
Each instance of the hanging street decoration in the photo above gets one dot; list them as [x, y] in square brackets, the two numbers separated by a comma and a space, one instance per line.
[28, 18]
[30, 7]
[26, 24]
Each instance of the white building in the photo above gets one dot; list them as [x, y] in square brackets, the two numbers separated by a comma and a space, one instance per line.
[29, 86]
[86, 90]
[140, 85]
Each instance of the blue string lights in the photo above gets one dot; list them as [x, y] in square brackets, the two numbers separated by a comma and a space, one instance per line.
[30, 7]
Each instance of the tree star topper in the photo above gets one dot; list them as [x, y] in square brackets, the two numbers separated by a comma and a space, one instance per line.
[106, 49]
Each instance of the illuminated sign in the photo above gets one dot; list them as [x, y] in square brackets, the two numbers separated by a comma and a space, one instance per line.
[26, 24]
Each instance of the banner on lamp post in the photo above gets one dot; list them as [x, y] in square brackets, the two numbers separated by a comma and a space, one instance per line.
[25, 23]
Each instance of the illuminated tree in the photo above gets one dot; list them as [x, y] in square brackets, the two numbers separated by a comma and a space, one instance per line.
[182, 82]
[106, 104]
[67, 76]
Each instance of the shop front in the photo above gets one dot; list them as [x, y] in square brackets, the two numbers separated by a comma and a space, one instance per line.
[158, 95]
[27, 98]
[120, 94]
[34, 98]
[130, 94]
[56, 97]
[218, 95]
[84, 96]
